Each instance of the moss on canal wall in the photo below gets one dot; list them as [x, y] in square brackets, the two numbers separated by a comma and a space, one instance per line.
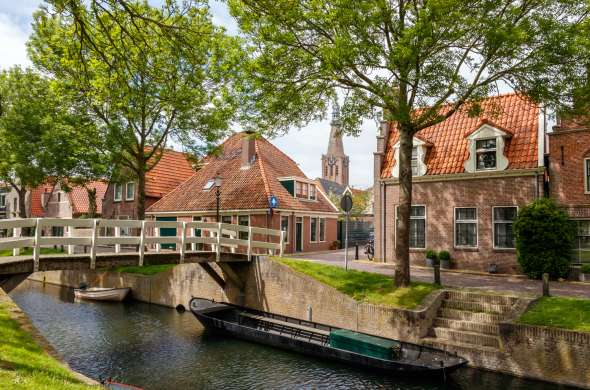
[27, 361]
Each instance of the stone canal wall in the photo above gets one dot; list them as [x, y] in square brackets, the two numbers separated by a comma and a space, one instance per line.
[535, 352]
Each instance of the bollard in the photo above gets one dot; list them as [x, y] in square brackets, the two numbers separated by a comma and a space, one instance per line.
[356, 251]
[546, 285]
[436, 268]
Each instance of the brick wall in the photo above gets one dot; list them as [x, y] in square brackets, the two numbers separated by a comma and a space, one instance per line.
[112, 209]
[440, 199]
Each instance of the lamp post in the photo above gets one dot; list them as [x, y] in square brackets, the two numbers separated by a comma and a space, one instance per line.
[218, 181]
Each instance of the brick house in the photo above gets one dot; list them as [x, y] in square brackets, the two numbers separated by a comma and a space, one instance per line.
[252, 171]
[569, 178]
[120, 201]
[470, 176]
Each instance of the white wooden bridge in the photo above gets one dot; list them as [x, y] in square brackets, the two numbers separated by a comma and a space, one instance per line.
[104, 245]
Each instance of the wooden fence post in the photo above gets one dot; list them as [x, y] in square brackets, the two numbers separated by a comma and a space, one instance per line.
[117, 235]
[70, 233]
[93, 244]
[142, 244]
[183, 242]
[249, 243]
[281, 251]
[16, 233]
[218, 249]
[37, 248]
[157, 234]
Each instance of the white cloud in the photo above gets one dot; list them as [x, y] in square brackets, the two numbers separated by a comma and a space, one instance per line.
[13, 45]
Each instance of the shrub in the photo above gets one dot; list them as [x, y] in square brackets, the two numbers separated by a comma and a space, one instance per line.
[444, 255]
[544, 239]
[585, 269]
[430, 254]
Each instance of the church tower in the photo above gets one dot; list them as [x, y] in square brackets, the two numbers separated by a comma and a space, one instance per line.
[335, 162]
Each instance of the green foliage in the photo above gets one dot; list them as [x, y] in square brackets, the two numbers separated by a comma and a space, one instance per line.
[364, 286]
[544, 239]
[431, 254]
[29, 252]
[567, 313]
[361, 201]
[585, 269]
[444, 256]
[146, 269]
[24, 365]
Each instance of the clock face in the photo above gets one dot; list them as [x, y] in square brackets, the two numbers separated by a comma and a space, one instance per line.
[331, 160]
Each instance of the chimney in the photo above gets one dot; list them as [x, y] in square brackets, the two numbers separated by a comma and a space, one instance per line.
[248, 149]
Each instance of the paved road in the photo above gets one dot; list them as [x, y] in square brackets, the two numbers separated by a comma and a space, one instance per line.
[512, 284]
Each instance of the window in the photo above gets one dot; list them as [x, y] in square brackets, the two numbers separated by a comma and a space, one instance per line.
[305, 191]
[130, 194]
[466, 227]
[312, 194]
[298, 189]
[503, 218]
[118, 192]
[322, 229]
[414, 161]
[2, 200]
[417, 227]
[208, 185]
[587, 174]
[336, 170]
[326, 171]
[58, 197]
[198, 232]
[243, 220]
[485, 150]
[285, 227]
[226, 219]
[313, 226]
[582, 243]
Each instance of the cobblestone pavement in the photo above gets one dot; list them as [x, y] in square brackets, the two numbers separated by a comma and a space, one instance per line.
[514, 284]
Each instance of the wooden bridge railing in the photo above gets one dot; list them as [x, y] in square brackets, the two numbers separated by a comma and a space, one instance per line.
[197, 236]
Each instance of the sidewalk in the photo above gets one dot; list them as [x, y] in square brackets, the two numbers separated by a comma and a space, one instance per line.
[507, 283]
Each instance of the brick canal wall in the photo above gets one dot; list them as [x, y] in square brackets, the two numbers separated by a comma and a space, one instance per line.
[535, 352]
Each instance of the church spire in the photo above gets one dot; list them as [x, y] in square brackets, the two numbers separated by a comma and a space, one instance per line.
[335, 161]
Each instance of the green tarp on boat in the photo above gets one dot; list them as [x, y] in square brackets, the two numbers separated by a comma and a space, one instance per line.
[364, 344]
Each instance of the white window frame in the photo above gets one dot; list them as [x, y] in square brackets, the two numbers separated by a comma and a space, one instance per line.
[3, 200]
[586, 173]
[425, 224]
[320, 220]
[127, 191]
[476, 221]
[315, 192]
[238, 222]
[316, 229]
[494, 226]
[288, 228]
[494, 150]
[577, 248]
[120, 197]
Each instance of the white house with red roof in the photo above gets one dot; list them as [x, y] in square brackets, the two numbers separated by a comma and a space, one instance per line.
[470, 176]
[254, 174]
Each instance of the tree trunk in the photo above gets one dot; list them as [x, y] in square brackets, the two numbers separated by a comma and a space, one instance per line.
[91, 202]
[141, 192]
[402, 247]
[22, 204]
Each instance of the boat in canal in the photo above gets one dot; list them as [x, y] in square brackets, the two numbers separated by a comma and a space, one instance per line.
[102, 293]
[358, 349]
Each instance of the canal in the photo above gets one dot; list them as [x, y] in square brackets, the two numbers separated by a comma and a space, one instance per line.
[158, 348]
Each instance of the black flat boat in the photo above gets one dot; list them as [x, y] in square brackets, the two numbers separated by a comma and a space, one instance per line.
[359, 349]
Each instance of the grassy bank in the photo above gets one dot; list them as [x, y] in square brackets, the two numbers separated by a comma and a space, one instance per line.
[29, 252]
[24, 365]
[364, 286]
[145, 270]
[567, 313]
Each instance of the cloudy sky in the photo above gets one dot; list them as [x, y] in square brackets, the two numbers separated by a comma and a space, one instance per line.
[304, 145]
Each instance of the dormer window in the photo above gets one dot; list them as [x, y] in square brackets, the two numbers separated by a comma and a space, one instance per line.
[414, 161]
[300, 188]
[485, 150]
[418, 158]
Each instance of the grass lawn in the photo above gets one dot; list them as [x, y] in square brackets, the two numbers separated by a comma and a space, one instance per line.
[24, 365]
[567, 313]
[145, 270]
[364, 286]
[29, 252]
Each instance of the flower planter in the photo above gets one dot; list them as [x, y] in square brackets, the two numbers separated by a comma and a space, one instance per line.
[584, 277]
[445, 264]
[429, 262]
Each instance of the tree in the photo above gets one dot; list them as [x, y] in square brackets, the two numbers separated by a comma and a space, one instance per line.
[361, 200]
[418, 62]
[143, 86]
[544, 239]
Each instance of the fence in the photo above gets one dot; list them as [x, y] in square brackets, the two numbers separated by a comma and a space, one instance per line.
[198, 236]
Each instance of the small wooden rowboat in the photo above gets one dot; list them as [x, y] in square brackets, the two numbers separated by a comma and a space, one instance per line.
[102, 293]
[359, 349]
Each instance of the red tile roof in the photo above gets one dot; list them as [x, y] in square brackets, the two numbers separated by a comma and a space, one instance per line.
[172, 169]
[242, 189]
[512, 113]
[37, 209]
[79, 197]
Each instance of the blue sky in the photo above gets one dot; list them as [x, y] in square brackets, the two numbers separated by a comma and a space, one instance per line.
[304, 145]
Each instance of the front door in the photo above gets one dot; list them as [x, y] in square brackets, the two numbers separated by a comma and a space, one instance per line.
[167, 232]
[299, 235]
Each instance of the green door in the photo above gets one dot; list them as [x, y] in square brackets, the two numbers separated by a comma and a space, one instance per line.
[167, 232]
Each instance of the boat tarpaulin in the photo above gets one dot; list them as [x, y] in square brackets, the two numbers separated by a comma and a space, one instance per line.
[364, 344]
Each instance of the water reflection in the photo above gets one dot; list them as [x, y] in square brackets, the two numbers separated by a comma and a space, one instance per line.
[158, 348]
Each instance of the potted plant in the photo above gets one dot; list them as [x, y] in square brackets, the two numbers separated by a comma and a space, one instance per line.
[445, 259]
[431, 258]
[585, 273]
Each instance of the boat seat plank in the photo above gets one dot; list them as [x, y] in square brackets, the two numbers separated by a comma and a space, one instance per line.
[279, 322]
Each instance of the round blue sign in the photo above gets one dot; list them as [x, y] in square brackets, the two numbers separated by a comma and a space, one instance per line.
[273, 202]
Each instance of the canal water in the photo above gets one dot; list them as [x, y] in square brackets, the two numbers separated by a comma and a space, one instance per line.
[158, 348]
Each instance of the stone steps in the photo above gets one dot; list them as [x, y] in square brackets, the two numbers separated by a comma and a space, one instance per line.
[455, 347]
[479, 307]
[455, 314]
[466, 337]
[466, 296]
[469, 326]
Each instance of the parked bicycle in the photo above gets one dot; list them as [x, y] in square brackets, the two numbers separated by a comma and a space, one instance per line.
[370, 249]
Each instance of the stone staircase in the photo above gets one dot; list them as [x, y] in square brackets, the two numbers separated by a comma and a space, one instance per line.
[469, 320]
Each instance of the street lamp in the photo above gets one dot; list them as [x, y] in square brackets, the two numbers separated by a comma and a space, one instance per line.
[218, 181]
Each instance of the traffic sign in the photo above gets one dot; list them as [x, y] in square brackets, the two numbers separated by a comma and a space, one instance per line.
[273, 202]
[346, 203]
